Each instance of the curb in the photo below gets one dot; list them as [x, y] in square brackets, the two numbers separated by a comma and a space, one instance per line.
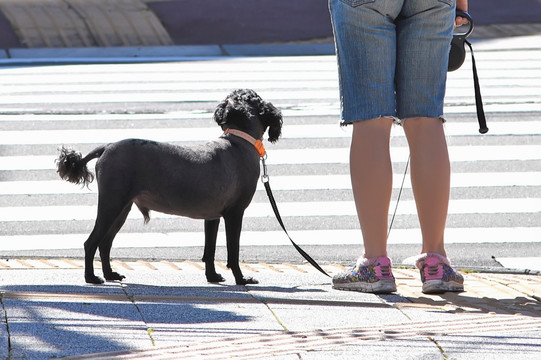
[182, 52]
[157, 53]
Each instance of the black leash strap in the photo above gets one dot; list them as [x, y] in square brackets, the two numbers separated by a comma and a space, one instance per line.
[265, 180]
[457, 54]
[483, 129]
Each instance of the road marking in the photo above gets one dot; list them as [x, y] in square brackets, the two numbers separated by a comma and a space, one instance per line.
[294, 182]
[269, 238]
[324, 156]
[287, 209]
[313, 131]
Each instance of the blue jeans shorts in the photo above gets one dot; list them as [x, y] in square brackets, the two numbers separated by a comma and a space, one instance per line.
[392, 56]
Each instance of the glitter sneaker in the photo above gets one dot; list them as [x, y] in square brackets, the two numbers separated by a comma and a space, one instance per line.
[369, 275]
[437, 274]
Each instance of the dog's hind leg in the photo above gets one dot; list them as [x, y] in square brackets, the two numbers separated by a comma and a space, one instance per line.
[107, 243]
[108, 213]
[211, 233]
[91, 245]
[233, 227]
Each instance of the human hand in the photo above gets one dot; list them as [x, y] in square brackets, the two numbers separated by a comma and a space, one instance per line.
[461, 5]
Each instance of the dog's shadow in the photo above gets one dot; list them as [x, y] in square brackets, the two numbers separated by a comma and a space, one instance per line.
[90, 315]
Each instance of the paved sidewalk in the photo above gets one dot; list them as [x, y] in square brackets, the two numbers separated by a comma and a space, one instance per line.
[167, 310]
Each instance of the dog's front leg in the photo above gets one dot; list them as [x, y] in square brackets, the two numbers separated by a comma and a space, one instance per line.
[233, 227]
[211, 233]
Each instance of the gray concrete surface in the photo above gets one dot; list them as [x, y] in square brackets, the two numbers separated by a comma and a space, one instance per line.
[167, 310]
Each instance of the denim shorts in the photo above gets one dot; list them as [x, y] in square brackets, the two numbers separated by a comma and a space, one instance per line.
[392, 56]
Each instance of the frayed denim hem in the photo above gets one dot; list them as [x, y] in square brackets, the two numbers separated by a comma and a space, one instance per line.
[401, 121]
[395, 120]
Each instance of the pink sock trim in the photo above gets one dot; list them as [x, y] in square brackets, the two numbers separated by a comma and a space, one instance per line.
[382, 260]
[422, 258]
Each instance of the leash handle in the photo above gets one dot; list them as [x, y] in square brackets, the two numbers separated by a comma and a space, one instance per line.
[265, 180]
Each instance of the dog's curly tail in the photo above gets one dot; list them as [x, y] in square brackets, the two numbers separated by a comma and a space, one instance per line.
[71, 165]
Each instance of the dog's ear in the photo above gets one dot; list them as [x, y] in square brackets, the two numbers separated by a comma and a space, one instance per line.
[272, 118]
[231, 112]
[219, 113]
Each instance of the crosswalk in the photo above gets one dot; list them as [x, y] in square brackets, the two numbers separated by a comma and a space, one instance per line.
[496, 182]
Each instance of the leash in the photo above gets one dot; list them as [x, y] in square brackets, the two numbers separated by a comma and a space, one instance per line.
[265, 180]
[457, 55]
[398, 198]
[483, 129]
[258, 144]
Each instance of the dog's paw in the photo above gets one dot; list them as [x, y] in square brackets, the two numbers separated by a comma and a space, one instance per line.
[93, 279]
[215, 278]
[114, 276]
[247, 281]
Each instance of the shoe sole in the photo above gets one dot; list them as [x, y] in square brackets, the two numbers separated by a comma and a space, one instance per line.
[440, 286]
[379, 287]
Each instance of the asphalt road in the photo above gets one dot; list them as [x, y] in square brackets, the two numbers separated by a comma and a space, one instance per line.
[493, 208]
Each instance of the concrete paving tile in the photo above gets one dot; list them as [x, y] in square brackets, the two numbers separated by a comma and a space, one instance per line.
[174, 324]
[179, 284]
[522, 345]
[376, 350]
[184, 309]
[307, 301]
[302, 318]
[4, 335]
[51, 282]
[43, 329]
[428, 314]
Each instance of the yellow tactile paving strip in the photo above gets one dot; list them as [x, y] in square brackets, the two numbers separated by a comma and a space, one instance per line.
[485, 292]
[84, 23]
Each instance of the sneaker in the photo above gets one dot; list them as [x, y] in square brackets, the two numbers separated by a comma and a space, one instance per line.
[437, 274]
[369, 275]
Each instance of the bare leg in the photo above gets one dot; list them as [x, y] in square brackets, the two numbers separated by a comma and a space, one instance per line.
[371, 178]
[430, 178]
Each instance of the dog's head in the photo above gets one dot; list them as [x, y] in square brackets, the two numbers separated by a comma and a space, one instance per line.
[244, 110]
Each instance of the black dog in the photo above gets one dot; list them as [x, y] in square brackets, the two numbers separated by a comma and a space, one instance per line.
[210, 181]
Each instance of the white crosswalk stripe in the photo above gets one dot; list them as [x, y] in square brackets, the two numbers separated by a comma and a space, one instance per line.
[496, 182]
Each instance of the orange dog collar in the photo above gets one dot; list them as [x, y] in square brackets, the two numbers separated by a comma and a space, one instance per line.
[258, 144]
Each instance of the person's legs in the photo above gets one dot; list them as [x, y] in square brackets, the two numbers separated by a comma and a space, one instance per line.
[371, 179]
[430, 178]
[424, 31]
[365, 41]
